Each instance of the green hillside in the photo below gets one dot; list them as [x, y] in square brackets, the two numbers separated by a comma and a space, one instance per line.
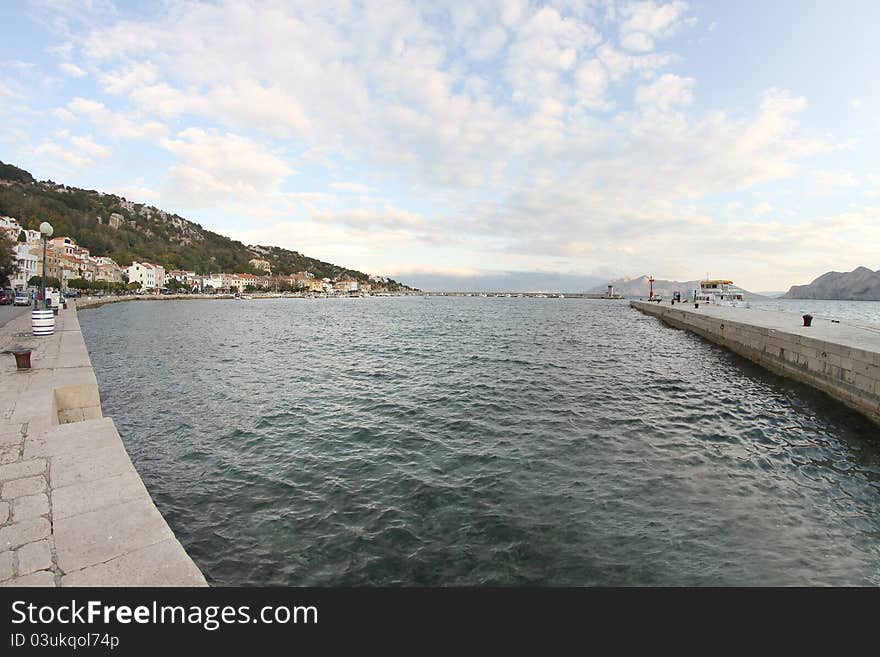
[145, 232]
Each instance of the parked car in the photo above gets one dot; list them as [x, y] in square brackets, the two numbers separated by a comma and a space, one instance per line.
[22, 299]
[7, 297]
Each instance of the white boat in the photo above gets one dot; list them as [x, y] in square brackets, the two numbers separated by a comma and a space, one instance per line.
[720, 292]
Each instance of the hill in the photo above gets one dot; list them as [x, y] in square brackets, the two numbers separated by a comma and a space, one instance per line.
[860, 284]
[110, 225]
[640, 287]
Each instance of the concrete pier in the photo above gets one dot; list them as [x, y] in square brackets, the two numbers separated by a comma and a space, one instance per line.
[73, 509]
[840, 359]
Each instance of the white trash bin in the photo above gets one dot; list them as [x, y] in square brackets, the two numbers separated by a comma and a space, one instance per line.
[43, 321]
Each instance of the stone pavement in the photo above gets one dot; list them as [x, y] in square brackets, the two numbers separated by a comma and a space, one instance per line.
[73, 509]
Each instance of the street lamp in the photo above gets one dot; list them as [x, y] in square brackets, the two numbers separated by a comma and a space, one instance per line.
[46, 231]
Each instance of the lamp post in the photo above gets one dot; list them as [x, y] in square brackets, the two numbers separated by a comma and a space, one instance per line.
[43, 319]
[46, 231]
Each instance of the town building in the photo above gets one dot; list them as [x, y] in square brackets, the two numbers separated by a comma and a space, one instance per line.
[150, 276]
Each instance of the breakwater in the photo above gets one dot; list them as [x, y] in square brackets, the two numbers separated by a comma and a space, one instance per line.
[96, 302]
[838, 358]
[73, 509]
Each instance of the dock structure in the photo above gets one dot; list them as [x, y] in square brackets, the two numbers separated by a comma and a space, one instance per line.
[841, 359]
[73, 509]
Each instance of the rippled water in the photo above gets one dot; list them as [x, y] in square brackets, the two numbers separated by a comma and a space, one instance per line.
[481, 441]
[857, 312]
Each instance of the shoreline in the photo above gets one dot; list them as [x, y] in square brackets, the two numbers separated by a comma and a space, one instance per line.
[73, 508]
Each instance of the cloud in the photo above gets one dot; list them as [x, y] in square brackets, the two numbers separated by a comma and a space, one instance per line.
[72, 69]
[826, 179]
[762, 209]
[666, 92]
[646, 21]
[387, 217]
[79, 152]
[213, 167]
[352, 187]
[114, 124]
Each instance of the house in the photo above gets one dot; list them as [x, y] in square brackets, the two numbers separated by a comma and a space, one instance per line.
[259, 263]
[27, 266]
[107, 270]
[150, 276]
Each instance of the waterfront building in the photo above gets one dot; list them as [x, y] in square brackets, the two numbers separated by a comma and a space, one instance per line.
[27, 266]
[188, 278]
[106, 269]
[243, 280]
[150, 276]
[53, 261]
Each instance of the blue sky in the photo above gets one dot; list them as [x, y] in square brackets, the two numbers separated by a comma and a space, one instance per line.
[446, 144]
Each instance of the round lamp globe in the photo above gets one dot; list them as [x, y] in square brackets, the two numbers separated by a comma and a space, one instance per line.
[46, 229]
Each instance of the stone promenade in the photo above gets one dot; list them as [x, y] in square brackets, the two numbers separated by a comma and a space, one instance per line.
[73, 509]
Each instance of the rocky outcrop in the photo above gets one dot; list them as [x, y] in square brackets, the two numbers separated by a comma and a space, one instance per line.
[860, 284]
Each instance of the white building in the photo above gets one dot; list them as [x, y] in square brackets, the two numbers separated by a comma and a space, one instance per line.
[146, 274]
[27, 266]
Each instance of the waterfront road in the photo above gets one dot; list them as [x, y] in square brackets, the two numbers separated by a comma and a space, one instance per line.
[11, 312]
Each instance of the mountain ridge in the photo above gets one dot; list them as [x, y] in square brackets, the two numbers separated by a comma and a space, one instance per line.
[860, 284]
[111, 225]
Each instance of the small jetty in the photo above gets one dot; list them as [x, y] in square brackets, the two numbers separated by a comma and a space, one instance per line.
[839, 358]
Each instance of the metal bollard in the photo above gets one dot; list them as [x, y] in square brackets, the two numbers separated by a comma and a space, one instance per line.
[22, 357]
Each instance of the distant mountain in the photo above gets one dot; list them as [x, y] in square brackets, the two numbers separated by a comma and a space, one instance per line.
[860, 284]
[502, 281]
[641, 288]
[109, 225]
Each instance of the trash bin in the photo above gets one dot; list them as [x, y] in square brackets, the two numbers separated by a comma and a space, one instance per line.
[808, 320]
[42, 322]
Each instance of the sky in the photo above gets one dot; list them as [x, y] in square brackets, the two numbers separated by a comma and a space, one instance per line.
[468, 145]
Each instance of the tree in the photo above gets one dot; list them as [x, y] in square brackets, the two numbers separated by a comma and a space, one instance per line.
[8, 264]
[51, 281]
[134, 285]
[78, 284]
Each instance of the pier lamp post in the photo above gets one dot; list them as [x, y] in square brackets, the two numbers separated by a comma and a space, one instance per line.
[46, 231]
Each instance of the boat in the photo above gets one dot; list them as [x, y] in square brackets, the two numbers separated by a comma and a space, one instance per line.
[720, 292]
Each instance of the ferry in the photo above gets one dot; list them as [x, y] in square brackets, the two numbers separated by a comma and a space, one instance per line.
[720, 292]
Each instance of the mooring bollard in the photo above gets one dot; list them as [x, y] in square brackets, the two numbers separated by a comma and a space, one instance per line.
[696, 305]
[808, 320]
[22, 357]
